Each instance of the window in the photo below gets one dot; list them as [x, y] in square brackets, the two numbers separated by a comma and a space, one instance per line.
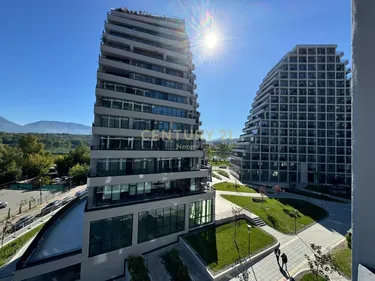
[160, 222]
[200, 213]
[110, 234]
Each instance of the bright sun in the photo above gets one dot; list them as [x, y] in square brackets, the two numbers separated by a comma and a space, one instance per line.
[210, 40]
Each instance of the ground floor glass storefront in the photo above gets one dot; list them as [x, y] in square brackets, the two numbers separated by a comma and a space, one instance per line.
[200, 213]
[160, 222]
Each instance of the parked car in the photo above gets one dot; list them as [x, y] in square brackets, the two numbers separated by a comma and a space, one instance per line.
[66, 200]
[22, 222]
[81, 193]
[51, 207]
[223, 167]
[3, 204]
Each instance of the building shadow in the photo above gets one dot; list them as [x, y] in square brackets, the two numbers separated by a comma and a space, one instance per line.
[204, 243]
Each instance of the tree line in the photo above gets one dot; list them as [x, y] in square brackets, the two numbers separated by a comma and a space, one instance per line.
[53, 143]
[26, 157]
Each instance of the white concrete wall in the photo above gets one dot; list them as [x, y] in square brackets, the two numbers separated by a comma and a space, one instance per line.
[109, 265]
[363, 207]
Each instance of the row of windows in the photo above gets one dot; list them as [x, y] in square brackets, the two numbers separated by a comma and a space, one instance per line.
[330, 59]
[301, 158]
[318, 141]
[142, 92]
[313, 83]
[313, 75]
[144, 107]
[302, 124]
[301, 149]
[131, 143]
[320, 100]
[309, 116]
[315, 50]
[313, 177]
[155, 44]
[314, 67]
[263, 165]
[142, 124]
[158, 81]
[310, 108]
[118, 193]
[110, 234]
[310, 92]
[200, 213]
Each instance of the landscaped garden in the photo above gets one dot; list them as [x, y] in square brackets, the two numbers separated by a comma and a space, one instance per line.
[216, 176]
[12, 248]
[218, 163]
[217, 248]
[280, 214]
[223, 173]
[173, 264]
[228, 186]
[312, 277]
[342, 258]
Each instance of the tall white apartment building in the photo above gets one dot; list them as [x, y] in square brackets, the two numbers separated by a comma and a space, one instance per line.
[299, 127]
[146, 185]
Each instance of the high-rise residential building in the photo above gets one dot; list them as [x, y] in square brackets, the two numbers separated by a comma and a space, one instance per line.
[146, 186]
[299, 127]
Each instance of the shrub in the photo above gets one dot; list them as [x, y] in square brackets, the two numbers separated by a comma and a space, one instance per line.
[223, 173]
[174, 266]
[272, 220]
[138, 269]
[257, 200]
[216, 176]
[349, 240]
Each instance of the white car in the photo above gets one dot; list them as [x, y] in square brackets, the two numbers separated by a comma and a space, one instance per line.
[81, 193]
[3, 204]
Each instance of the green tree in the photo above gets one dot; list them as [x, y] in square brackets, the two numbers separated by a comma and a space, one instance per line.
[11, 159]
[79, 173]
[30, 144]
[38, 164]
[80, 155]
[45, 180]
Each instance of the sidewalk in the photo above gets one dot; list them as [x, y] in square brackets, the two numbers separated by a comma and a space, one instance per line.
[326, 233]
[36, 211]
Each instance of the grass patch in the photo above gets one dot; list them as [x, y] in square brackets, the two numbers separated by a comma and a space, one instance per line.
[279, 214]
[342, 258]
[217, 248]
[313, 195]
[223, 173]
[228, 186]
[312, 277]
[218, 163]
[13, 247]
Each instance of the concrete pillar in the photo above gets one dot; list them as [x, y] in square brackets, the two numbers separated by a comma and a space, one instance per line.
[135, 229]
[363, 153]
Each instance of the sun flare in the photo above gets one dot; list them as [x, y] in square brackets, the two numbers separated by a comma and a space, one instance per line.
[211, 40]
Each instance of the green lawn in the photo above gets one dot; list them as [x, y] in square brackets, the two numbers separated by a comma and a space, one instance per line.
[312, 277]
[218, 163]
[12, 248]
[279, 215]
[222, 173]
[313, 195]
[342, 257]
[217, 248]
[228, 186]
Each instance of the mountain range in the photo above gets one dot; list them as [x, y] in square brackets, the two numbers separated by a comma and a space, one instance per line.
[44, 127]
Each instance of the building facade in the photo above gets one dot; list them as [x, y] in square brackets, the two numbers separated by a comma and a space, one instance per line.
[147, 184]
[299, 127]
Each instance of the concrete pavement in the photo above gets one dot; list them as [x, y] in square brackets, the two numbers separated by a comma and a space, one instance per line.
[326, 233]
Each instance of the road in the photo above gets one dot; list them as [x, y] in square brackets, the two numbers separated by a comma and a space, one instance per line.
[36, 211]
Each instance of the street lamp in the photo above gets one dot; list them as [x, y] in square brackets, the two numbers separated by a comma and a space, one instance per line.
[40, 190]
[248, 231]
[295, 213]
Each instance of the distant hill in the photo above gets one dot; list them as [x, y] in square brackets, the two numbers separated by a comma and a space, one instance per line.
[44, 127]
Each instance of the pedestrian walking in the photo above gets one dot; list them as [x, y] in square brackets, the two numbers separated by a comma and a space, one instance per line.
[277, 254]
[284, 260]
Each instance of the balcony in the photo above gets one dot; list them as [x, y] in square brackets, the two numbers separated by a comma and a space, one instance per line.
[131, 172]
[156, 192]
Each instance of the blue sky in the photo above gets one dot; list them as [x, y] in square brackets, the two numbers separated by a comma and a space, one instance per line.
[49, 52]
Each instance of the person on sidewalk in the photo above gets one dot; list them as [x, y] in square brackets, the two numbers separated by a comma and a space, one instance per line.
[284, 260]
[277, 254]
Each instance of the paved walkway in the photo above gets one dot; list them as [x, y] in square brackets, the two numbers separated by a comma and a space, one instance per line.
[327, 233]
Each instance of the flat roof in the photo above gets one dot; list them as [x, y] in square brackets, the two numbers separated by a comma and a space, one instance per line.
[64, 236]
